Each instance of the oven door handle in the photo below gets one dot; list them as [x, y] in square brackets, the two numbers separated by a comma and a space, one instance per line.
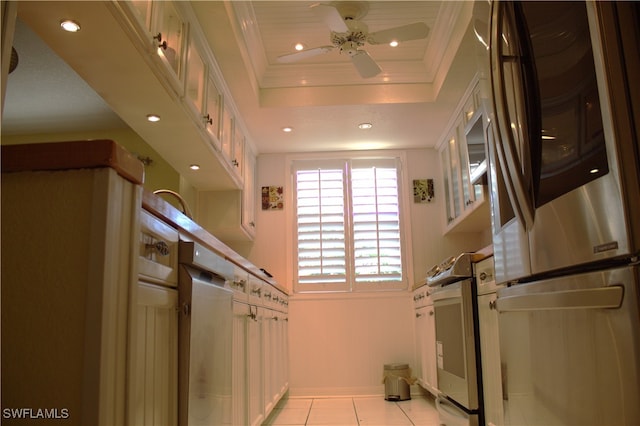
[449, 414]
[593, 298]
[448, 292]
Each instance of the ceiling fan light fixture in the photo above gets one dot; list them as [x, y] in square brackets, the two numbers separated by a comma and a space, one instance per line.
[70, 25]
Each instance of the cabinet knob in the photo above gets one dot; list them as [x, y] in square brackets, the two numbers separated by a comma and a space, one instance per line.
[160, 247]
[162, 44]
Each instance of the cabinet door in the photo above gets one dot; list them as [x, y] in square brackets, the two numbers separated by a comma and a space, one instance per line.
[142, 10]
[195, 80]
[491, 364]
[241, 316]
[169, 34]
[255, 367]
[226, 132]
[421, 345]
[249, 194]
[155, 366]
[237, 150]
[430, 361]
[212, 112]
[269, 359]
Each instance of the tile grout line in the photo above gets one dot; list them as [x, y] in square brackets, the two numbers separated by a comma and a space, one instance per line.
[405, 414]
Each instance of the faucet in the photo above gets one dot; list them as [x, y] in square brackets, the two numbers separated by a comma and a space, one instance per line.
[183, 203]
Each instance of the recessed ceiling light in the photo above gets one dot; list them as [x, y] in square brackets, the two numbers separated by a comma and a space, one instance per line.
[299, 46]
[70, 25]
[287, 129]
[365, 126]
[153, 118]
[194, 167]
[394, 43]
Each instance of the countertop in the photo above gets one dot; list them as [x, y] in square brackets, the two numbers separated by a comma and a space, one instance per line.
[191, 230]
[72, 155]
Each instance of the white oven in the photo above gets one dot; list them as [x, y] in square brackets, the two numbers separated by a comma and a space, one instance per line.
[456, 322]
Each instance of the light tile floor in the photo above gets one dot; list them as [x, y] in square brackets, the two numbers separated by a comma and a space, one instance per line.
[346, 411]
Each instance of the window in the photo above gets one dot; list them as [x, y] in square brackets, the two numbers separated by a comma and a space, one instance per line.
[348, 227]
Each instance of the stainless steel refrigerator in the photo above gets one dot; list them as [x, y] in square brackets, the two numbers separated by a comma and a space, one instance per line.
[564, 104]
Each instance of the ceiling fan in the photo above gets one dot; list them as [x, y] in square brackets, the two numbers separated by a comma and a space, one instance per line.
[349, 34]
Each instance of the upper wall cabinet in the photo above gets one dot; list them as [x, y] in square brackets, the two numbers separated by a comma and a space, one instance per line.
[181, 59]
[164, 29]
[463, 159]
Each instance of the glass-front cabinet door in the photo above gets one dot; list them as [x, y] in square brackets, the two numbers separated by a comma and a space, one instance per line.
[226, 132]
[142, 10]
[195, 79]
[213, 109]
[169, 34]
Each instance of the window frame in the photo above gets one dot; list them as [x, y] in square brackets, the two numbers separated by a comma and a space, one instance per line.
[350, 285]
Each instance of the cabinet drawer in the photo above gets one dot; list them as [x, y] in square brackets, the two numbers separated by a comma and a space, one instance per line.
[158, 251]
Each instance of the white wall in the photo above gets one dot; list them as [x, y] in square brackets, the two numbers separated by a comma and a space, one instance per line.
[339, 343]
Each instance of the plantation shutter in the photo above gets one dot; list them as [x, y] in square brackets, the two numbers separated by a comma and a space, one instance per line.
[348, 230]
[376, 221]
[321, 225]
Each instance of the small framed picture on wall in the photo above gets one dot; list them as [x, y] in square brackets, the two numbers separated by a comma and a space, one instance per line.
[272, 198]
[423, 190]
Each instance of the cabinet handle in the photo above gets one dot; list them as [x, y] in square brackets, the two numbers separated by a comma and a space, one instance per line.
[207, 119]
[257, 291]
[431, 313]
[235, 162]
[492, 304]
[419, 315]
[253, 315]
[186, 309]
[238, 284]
[252, 224]
[162, 44]
[160, 247]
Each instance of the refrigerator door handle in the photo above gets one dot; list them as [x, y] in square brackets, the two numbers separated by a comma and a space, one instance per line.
[516, 170]
[593, 298]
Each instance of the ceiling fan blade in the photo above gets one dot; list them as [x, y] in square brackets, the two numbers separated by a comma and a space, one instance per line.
[365, 64]
[414, 31]
[308, 53]
[330, 16]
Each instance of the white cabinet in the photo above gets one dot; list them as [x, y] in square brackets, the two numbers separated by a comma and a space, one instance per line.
[155, 367]
[196, 81]
[255, 366]
[230, 215]
[425, 340]
[240, 376]
[154, 327]
[249, 193]
[212, 111]
[162, 29]
[68, 271]
[489, 342]
[232, 140]
[462, 156]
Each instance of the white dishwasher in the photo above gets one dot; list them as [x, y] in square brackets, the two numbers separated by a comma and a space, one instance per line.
[205, 337]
